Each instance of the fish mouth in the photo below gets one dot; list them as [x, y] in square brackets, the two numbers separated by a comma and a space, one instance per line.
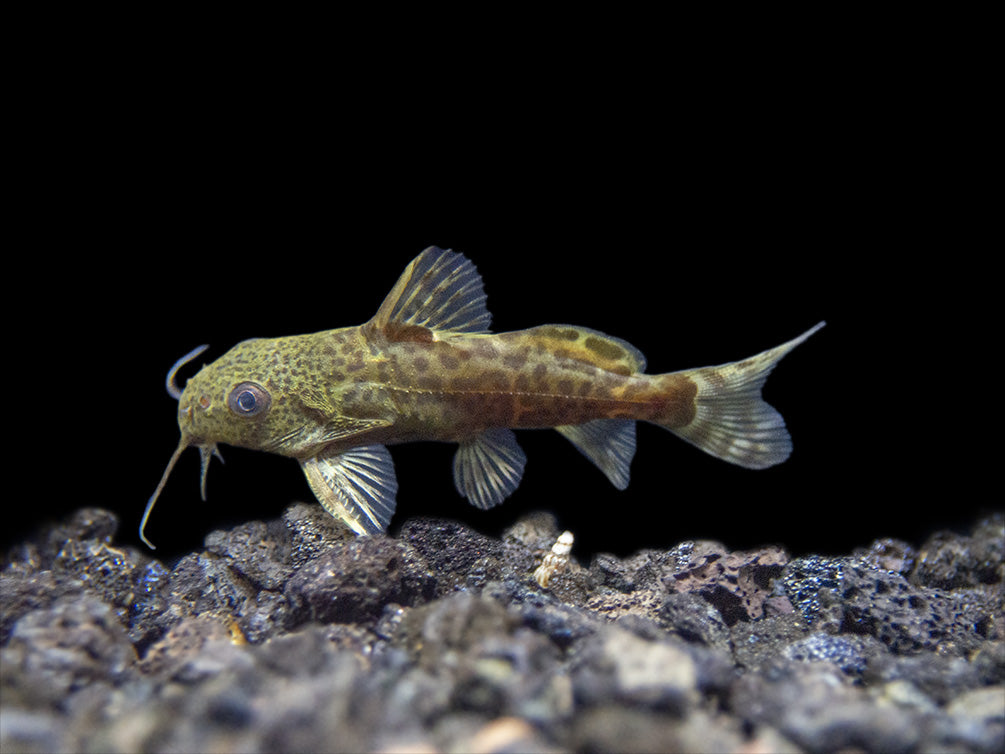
[206, 452]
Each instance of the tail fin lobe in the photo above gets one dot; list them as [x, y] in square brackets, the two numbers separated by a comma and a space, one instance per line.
[731, 421]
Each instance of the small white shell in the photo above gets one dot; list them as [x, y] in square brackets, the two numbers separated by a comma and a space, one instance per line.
[555, 560]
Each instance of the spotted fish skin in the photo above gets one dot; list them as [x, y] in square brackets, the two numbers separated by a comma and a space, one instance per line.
[426, 367]
[455, 388]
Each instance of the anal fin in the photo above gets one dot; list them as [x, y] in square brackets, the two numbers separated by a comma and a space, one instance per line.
[608, 443]
[489, 467]
[358, 487]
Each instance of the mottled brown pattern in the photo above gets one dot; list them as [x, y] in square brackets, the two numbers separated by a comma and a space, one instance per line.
[426, 367]
[448, 361]
[477, 386]
[603, 348]
[679, 393]
[399, 332]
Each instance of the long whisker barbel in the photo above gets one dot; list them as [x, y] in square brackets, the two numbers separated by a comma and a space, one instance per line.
[173, 390]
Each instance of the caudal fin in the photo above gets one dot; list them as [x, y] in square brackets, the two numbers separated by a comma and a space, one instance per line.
[731, 420]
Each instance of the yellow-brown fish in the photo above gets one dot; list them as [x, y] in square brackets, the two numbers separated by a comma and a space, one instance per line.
[426, 367]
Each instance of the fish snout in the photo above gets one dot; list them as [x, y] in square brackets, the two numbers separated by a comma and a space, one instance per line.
[195, 409]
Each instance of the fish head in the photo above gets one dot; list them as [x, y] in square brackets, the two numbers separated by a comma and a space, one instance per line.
[235, 400]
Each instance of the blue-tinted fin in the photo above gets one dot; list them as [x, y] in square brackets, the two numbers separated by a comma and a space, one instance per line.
[609, 443]
[358, 487]
[488, 467]
[439, 291]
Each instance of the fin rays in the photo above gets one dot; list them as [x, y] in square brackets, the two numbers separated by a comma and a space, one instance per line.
[357, 487]
[732, 421]
[489, 467]
[440, 295]
[608, 443]
[440, 290]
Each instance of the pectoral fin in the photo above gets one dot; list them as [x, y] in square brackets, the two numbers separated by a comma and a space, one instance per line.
[488, 467]
[609, 443]
[357, 487]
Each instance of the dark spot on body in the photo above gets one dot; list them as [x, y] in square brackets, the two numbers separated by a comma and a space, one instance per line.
[447, 361]
[484, 349]
[605, 348]
[414, 333]
[679, 394]
[429, 382]
[563, 354]
[515, 360]
[562, 333]
[496, 379]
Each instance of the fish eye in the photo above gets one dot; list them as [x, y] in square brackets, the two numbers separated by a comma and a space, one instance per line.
[249, 399]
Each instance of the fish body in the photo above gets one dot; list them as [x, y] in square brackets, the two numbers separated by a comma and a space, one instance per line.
[426, 368]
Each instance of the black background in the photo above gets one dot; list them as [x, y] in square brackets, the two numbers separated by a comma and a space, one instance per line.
[703, 221]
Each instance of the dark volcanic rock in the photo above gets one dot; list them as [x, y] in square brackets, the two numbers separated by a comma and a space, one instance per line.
[950, 561]
[72, 645]
[465, 558]
[353, 583]
[695, 620]
[737, 583]
[817, 708]
[77, 557]
[850, 595]
[294, 635]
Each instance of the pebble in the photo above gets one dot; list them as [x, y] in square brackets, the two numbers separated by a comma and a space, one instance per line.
[290, 635]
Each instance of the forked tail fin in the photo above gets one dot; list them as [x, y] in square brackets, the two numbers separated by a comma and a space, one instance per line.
[731, 421]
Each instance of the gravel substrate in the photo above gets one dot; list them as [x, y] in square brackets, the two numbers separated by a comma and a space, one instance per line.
[289, 635]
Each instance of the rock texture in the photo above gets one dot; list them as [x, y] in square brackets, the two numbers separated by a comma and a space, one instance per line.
[289, 635]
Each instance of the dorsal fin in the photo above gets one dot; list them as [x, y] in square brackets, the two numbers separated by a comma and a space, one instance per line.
[440, 291]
